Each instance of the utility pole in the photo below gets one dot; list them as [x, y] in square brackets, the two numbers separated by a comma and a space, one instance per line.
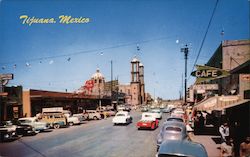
[111, 83]
[185, 50]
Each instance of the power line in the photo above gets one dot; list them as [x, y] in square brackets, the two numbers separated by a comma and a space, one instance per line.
[87, 51]
[205, 35]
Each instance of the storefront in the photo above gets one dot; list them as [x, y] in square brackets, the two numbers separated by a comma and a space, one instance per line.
[35, 100]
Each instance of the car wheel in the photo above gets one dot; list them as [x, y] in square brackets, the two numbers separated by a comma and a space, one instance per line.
[71, 123]
[56, 126]
[95, 118]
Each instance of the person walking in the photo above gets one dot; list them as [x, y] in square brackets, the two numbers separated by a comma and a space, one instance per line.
[224, 132]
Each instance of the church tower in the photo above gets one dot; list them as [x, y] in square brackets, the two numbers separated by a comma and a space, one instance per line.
[135, 82]
[142, 85]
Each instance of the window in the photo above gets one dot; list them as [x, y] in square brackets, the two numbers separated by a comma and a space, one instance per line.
[173, 129]
[100, 81]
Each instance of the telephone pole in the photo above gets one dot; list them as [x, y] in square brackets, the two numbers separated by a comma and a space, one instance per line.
[185, 50]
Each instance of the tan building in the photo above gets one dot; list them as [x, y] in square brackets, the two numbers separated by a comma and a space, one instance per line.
[135, 91]
[228, 56]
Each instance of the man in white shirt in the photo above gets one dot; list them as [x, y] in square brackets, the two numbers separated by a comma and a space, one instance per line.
[224, 132]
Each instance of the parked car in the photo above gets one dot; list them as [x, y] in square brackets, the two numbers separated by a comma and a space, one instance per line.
[34, 122]
[148, 120]
[93, 114]
[144, 109]
[8, 132]
[181, 149]
[55, 119]
[172, 131]
[120, 108]
[73, 120]
[122, 117]
[157, 113]
[21, 129]
[127, 108]
[80, 116]
[110, 113]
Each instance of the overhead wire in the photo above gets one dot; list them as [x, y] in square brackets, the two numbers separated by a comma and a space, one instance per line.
[86, 51]
[204, 37]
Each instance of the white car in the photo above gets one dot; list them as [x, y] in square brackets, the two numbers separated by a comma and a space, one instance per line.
[33, 121]
[122, 117]
[157, 113]
[72, 120]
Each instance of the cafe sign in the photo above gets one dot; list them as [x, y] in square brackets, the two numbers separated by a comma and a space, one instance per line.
[206, 73]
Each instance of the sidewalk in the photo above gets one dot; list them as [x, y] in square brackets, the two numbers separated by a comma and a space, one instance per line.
[208, 143]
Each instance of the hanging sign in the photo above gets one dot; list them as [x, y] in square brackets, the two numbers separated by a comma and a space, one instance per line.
[4, 78]
[206, 73]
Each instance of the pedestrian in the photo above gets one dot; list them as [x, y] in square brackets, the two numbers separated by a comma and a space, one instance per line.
[227, 148]
[224, 132]
[245, 148]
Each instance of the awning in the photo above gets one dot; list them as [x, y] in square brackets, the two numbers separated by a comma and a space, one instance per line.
[241, 69]
[245, 101]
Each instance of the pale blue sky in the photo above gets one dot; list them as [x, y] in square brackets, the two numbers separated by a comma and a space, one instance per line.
[114, 23]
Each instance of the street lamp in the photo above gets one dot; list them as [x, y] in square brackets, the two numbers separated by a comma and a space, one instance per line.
[185, 50]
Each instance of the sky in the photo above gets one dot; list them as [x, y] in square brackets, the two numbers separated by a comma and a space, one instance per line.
[63, 56]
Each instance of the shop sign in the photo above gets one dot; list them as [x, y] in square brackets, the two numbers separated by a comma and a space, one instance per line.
[206, 87]
[245, 77]
[52, 109]
[4, 78]
[206, 73]
[229, 98]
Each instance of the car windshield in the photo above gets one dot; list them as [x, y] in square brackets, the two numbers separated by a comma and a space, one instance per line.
[175, 119]
[173, 129]
[25, 121]
[155, 111]
[120, 114]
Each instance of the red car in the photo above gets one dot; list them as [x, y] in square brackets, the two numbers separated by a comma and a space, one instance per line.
[148, 121]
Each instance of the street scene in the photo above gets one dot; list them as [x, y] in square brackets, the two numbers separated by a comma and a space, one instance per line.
[124, 78]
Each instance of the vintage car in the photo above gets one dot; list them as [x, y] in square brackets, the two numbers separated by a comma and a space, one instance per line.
[172, 131]
[181, 149]
[147, 121]
[21, 129]
[92, 114]
[175, 119]
[80, 116]
[144, 109]
[8, 132]
[34, 122]
[122, 117]
[55, 119]
[73, 120]
[157, 113]
[178, 113]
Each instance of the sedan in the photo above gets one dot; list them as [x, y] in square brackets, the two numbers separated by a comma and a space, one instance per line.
[22, 129]
[33, 121]
[181, 149]
[172, 131]
[122, 117]
[157, 113]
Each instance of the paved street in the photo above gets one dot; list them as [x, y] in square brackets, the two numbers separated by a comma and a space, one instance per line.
[92, 139]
